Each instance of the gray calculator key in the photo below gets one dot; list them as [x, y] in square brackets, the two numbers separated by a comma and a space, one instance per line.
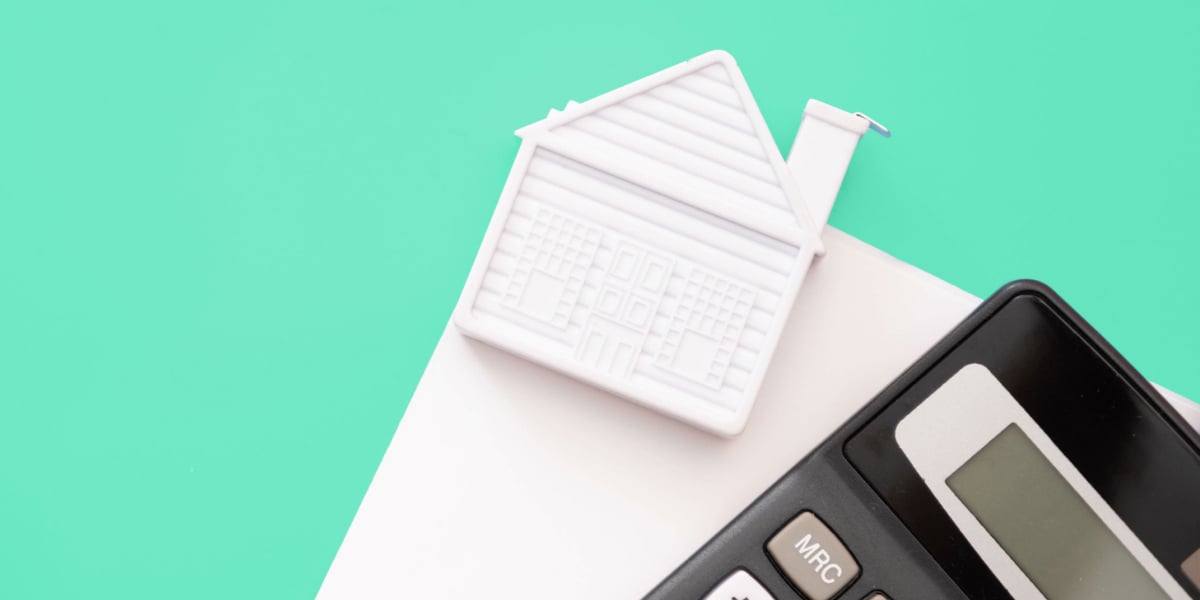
[1191, 567]
[740, 585]
[813, 558]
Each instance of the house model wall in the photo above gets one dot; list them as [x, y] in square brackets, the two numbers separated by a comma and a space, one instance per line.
[651, 242]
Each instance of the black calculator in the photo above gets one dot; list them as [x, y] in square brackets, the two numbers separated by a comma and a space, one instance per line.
[1021, 457]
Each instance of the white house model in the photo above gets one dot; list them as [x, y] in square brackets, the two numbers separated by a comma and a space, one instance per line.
[650, 242]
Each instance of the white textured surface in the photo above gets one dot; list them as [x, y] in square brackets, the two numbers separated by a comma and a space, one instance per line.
[634, 284]
[646, 243]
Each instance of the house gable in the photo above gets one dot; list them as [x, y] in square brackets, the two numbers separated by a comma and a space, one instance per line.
[692, 132]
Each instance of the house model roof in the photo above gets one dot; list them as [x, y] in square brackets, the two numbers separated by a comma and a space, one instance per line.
[649, 241]
[693, 131]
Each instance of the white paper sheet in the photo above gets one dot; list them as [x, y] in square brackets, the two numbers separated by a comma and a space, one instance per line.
[506, 480]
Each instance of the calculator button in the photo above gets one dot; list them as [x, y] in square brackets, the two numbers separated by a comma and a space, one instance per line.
[813, 558]
[740, 586]
[1191, 567]
[877, 596]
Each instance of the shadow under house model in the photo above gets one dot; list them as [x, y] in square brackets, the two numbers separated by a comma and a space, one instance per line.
[650, 242]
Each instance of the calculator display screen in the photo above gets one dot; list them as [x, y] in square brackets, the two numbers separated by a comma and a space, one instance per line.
[1044, 525]
[1102, 429]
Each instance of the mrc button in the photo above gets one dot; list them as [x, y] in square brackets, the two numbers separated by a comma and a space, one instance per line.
[812, 557]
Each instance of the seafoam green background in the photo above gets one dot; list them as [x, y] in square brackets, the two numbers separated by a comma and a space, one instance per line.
[231, 232]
